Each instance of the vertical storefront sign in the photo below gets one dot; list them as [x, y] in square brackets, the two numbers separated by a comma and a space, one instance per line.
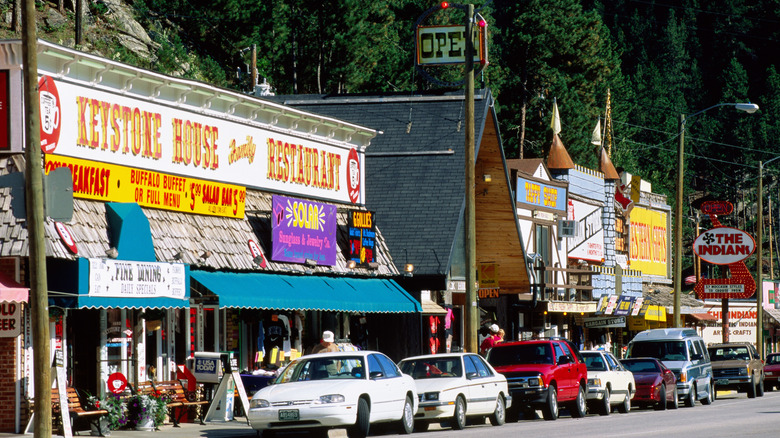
[303, 231]
[5, 114]
[362, 237]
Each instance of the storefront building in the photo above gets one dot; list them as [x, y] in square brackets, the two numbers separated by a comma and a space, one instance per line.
[416, 187]
[203, 220]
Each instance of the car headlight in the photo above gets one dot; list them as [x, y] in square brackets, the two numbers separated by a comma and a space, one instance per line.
[258, 403]
[331, 398]
[535, 381]
[430, 396]
[594, 382]
[743, 372]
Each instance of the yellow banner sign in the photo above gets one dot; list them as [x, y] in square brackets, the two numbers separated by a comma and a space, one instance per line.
[649, 241]
[112, 183]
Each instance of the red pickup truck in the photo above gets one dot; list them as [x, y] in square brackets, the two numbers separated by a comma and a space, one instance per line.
[542, 374]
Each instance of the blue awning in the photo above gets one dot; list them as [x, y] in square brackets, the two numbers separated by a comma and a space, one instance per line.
[292, 292]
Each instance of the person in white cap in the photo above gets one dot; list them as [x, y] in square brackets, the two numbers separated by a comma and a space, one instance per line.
[326, 345]
[493, 339]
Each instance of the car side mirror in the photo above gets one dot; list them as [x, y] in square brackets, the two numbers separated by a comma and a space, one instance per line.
[376, 374]
[471, 375]
[564, 360]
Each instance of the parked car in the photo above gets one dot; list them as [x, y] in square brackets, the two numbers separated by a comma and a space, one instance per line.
[682, 351]
[452, 387]
[609, 384]
[343, 389]
[656, 384]
[772, 371]
[737, 366]
[541, 374]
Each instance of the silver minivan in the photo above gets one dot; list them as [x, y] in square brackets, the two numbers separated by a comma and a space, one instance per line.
[683, 351]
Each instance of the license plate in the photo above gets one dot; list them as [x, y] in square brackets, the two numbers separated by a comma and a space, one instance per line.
[288, 415]
[723, 382]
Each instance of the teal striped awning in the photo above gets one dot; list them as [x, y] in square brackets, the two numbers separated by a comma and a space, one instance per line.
[296, 292]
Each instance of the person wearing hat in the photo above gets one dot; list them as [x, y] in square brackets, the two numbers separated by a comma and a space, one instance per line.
[326, 345]
[492, 339]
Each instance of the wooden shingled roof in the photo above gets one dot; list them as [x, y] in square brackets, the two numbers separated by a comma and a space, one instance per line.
[181, 237]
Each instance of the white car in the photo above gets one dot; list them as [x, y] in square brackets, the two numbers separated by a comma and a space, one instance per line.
[330, 390]
[609, 383]
[454, 386]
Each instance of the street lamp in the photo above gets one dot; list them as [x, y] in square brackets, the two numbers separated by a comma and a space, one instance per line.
[749, 108]
[760, 261]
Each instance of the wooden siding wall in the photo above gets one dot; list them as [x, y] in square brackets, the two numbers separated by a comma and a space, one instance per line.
[498, 240]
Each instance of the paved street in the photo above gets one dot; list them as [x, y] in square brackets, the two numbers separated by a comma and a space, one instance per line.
[731, 415]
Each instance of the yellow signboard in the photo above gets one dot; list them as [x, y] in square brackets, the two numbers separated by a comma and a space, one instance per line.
[649, 241]
[112, 183]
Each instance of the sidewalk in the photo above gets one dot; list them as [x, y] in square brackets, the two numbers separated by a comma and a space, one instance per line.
[231, 429]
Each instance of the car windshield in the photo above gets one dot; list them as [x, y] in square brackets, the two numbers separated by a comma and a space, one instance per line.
[594, 362]
[728, 353]
[773, 359]
[431, 368]
[322, 368]
[536, 353]
[641, 366]
[661, 350]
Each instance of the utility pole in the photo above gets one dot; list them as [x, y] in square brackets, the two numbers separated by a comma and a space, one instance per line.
[760, 264]
[39, 309]
[472, 316]
[254, 69]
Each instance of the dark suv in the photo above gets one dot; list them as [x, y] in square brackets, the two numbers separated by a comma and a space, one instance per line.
[542, 374]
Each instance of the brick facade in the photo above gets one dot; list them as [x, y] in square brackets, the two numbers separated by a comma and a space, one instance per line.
[9, 364]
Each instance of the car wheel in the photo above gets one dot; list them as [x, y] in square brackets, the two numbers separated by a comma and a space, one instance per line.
[580, 407]
[690, 400]
[362, 424]
[459, 416]
[421, 426]
[760, 389]
[499, 415]
[550, 410]
[625, 407]
[661, 405]
[751, 389]
[675, 401]
[266, 433]
[606, 408]
[710, 397]
[407, 418]
[319, 433]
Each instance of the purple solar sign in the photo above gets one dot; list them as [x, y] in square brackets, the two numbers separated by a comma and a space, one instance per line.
[303, 230]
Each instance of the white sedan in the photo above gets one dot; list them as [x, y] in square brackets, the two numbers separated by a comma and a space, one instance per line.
[454, 386]
[330, 390]
[609, 383]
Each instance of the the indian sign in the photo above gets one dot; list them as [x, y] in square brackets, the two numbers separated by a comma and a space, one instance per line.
[724, 245]
[303, 231]
[116, 128]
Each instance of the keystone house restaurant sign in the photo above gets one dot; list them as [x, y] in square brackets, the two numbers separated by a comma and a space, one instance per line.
[99, 126]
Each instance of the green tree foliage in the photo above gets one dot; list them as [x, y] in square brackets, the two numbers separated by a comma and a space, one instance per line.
[546, 50]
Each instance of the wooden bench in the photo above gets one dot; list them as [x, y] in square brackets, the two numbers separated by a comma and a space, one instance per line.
[179, 401]
[75, 410]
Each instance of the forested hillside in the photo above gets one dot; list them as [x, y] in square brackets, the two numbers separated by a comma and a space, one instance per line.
[659, 59]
